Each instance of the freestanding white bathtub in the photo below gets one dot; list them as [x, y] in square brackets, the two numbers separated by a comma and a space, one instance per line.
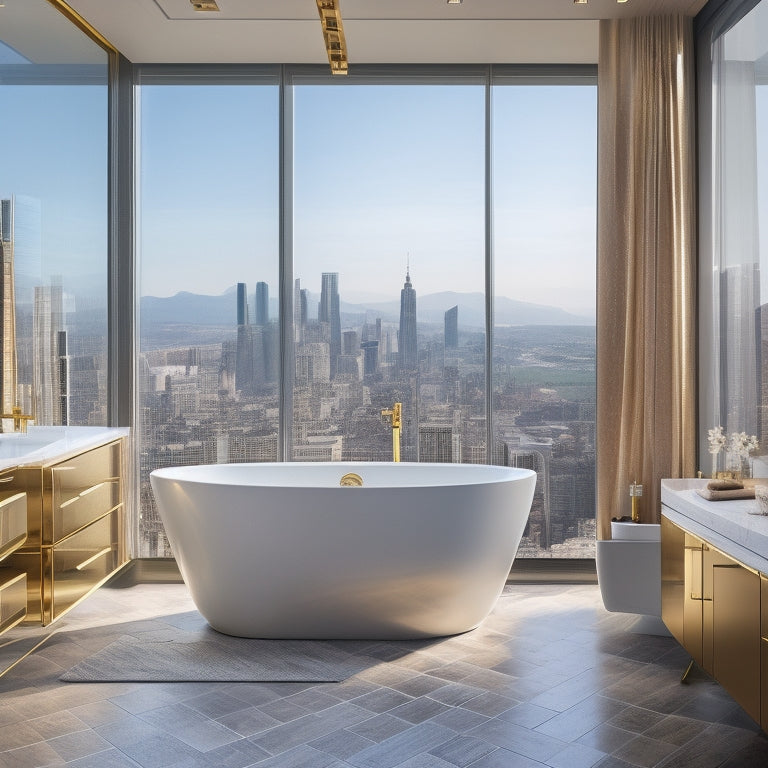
[282, 551]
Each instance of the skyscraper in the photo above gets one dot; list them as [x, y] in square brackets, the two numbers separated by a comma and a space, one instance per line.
[370, 357]
[303, 303]
[452, 328]
[8, 303]
[61, 350]
[436, 444]
[262, 304]
[244, 354]
[329, 312]
[47, 325]
[242, 304]
[20, 254]
[406, 339]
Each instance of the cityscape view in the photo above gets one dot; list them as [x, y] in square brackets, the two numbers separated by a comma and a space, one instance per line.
[208, 400]
[388, 250]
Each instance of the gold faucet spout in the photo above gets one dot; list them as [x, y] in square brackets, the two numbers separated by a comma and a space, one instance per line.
[19, 419]
[394, 416]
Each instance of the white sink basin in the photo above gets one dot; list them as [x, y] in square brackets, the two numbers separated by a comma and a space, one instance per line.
[636, 531]
[46, 443]
[14, 445]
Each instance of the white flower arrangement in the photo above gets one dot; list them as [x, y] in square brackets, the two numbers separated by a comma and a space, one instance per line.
[743, 444]
[738, 447]
[717, 440]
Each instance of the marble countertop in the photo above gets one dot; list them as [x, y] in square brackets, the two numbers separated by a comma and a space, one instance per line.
[726, 525]
[43, 446]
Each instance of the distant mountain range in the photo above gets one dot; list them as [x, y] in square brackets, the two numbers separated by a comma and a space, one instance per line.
[197, 309]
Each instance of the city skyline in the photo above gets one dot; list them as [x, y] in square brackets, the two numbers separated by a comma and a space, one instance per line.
[427, 207]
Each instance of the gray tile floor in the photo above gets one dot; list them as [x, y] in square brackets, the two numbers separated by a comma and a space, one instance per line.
[549, 679]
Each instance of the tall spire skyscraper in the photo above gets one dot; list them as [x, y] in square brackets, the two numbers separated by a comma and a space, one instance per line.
[406, 338]
[47, 325]
[329, 312]
[262, 304]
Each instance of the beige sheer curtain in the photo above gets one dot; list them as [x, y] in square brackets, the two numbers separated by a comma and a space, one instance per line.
[645, 261]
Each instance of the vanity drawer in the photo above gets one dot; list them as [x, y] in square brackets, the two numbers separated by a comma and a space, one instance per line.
[13, 597]
[13, 523]
[84, 508]
[79, 563]
[82, 489]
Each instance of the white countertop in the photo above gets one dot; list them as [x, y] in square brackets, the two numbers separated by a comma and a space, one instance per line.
[42, 446]
[727, 525]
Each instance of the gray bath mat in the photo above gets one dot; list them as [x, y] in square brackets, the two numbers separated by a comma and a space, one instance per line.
[164, 653]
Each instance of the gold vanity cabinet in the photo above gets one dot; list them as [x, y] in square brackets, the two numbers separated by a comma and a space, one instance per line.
[731, 627]
[764, 652]
[13, 535]
[76, 529]
[712, 605]
[681, 587]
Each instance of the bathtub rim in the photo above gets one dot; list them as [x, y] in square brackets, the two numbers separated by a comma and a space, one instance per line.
[472, 474]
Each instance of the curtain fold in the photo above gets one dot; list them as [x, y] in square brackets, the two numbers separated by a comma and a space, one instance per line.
[645, 262]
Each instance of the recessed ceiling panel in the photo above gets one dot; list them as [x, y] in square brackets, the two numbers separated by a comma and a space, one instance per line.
[377, 31]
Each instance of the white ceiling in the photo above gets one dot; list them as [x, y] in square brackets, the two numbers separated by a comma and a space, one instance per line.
[377, 31]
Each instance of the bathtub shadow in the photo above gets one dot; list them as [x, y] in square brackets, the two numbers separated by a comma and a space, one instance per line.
[182, 647]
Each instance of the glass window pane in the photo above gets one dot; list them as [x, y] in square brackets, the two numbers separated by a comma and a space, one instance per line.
[53, 218]
[740, 288]
[389, 271]
[544, 190]
[209, 223]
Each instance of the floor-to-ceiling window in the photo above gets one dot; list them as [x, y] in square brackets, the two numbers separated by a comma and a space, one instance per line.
[381, 208]
[53, 217]
[734, 247]
[208, 368]
[544, 212]
[389, 266]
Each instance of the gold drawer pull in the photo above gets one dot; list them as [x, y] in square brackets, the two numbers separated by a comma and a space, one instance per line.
[6, 479]
[91, 559]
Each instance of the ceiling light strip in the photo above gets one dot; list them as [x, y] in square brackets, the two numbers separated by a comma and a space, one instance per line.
[83, 25]
[204, 5]
[333, 34]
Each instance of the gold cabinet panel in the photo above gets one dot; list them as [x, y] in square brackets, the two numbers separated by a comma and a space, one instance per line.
[764, 652]
[13, 597]
[672, 578]
[78, 564]
[13, 523]
[29, 480]
[28, 561]
[83, 508]
[693, 602]
[81, 489]
[734, 629]
[681, 586]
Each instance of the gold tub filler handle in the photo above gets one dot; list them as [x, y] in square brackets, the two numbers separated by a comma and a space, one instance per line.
[351, 479]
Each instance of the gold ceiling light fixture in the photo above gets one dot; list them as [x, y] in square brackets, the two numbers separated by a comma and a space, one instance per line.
[204, 5]
[333, 34]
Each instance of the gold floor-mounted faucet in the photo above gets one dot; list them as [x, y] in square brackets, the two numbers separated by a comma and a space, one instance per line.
[19, 419]
[394, 416]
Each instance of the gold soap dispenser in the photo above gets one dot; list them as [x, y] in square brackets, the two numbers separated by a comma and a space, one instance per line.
[635, 492]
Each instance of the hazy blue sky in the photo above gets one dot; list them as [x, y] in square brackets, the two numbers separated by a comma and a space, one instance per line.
[55, 150]
[381, 174]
